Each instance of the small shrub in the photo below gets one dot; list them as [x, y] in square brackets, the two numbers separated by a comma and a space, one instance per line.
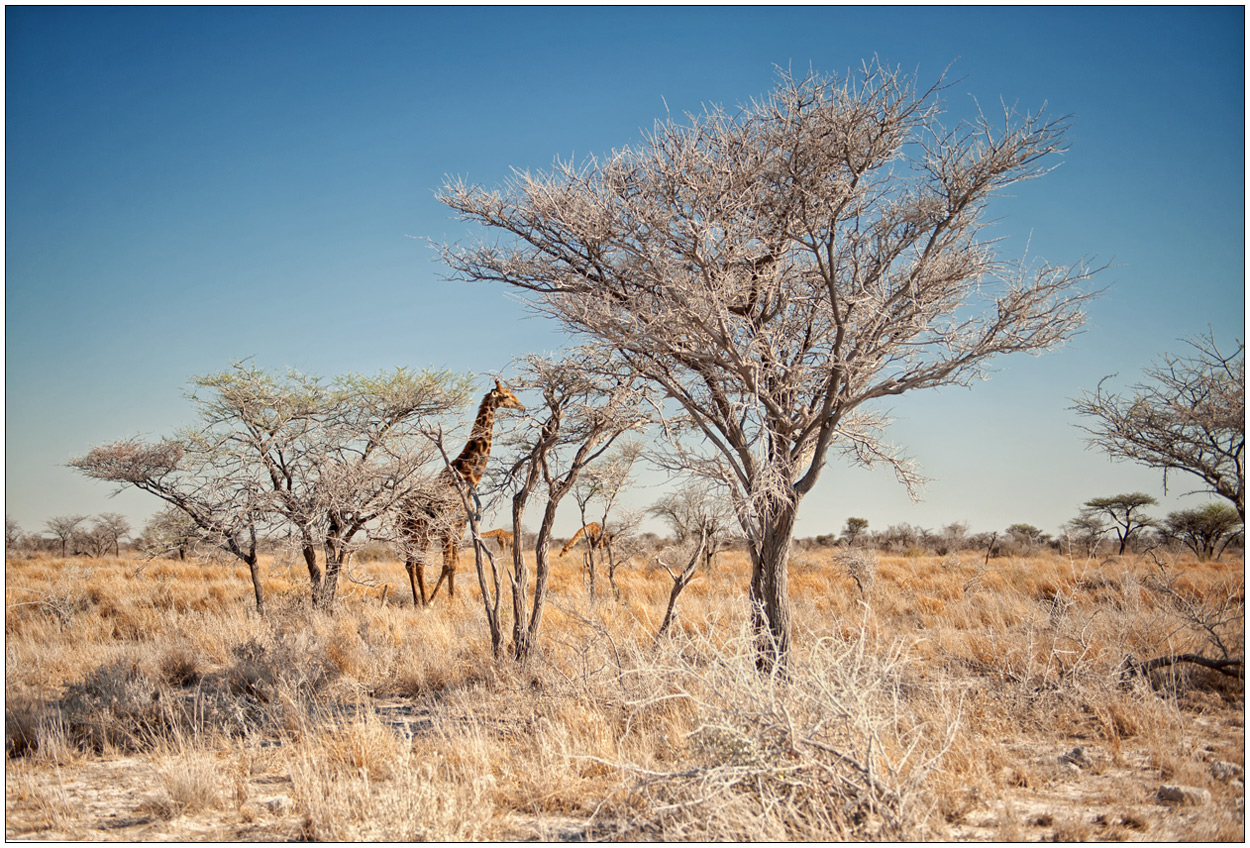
[180, 667]
[860, 565]
[22, 719]
[189, 784]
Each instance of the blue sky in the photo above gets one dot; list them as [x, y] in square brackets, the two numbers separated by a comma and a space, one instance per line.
[190, 187]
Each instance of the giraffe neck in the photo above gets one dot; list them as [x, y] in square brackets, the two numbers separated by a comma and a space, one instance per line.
[471, 463]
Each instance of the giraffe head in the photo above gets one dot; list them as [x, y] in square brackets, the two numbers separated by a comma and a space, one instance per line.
[502, 397]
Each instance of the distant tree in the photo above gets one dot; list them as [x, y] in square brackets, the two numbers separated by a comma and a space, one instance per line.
[12, 533]
[987, 541]
[106, 533]
[1125, 514]
[777, 270]
[1084, 533]
[1206, 531]
[899, 538]
[624, 543]
[171, 532]
[952, 538]
[854, 530]
[1189, 415]
[697, 509]
[602, 483]
[1027, 537]
[65, 528]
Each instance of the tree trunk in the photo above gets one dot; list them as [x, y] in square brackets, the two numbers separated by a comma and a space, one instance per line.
[616, 590]
[490, 599]
[314, 573]
[525, 632]
[520, 576]
[329, 586]
[542, 573]
[253, 565]
[252, 559]
[770, 586]
[337, 556]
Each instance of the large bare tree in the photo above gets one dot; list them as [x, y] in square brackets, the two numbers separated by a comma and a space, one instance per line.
[777, 268]
[1189, 415]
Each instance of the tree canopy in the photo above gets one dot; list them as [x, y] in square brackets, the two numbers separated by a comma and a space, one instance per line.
[322, 458]
[776, 269]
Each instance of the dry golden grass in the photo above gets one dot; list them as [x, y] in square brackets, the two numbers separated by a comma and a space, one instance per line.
[928, 697]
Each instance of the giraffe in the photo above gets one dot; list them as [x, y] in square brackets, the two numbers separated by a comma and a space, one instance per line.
[437, 514]
[503, 537]
[595, 537]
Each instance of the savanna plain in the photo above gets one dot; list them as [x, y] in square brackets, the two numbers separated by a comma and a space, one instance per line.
[927, 697]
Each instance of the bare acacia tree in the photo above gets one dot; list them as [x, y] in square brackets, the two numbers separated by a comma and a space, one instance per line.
[64, 528]
[1084, 533]
[229, 508]
[106, 533]
[256, 424]
[697, 508]
[585, 408]
[624, 544]
[777, 268]
[602, 484]
[1189, 415]
[170, 533]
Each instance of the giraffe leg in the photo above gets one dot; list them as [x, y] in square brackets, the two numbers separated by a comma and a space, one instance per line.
[416, 577]
[443, 575]
[450, 559]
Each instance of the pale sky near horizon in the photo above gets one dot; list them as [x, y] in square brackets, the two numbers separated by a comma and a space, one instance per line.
[188, 187]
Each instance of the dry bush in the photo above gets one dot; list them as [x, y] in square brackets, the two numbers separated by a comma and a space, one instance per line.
[860, 565]
[34, 805]
[187, 783]
[837, 748]
[360, 781]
